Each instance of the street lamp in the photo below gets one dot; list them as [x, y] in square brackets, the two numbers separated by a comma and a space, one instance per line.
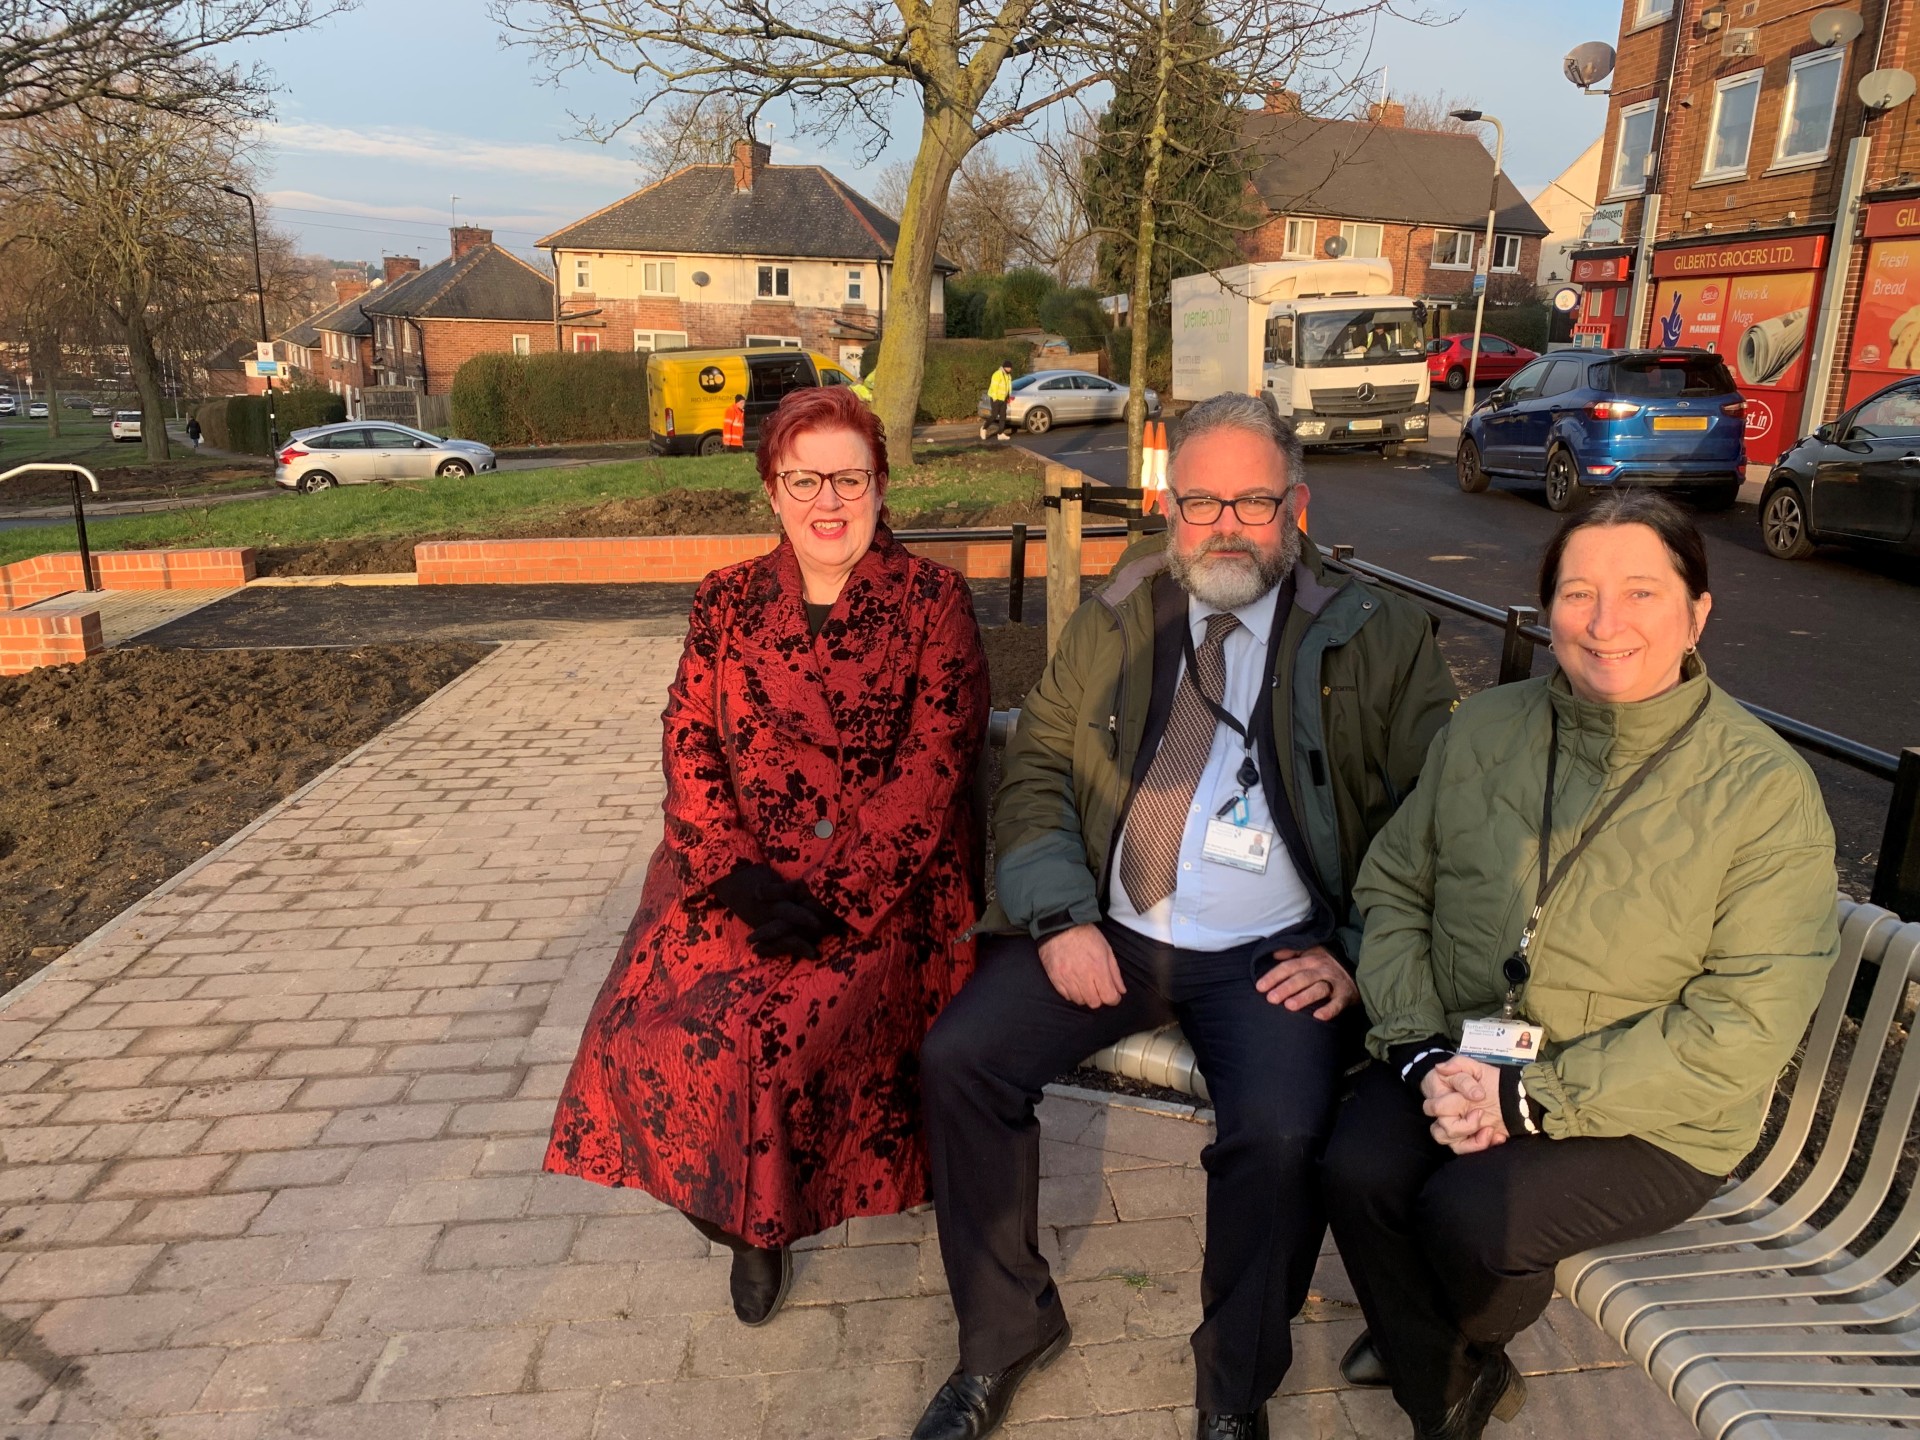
[260, 292]
[1481, 272]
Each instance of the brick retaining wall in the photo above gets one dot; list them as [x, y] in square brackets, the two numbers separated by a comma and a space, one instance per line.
[42, 577]
[28, 641]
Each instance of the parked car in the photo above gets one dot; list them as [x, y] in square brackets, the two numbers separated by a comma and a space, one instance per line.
[357, 452]
[1064, 397]
[37, 410]
[101, 410]
[125, 426]
[75, 402]
[1449, 356]
[8, 405]
[1854, 482]
[1591, 418]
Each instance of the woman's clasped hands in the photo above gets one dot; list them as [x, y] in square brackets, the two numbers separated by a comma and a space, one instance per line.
[1462, 1098]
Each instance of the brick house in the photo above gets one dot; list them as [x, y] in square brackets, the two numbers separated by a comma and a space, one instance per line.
[747, 253]
[480, 300]
[1724, 216]
[1416, 197]
[305, 348]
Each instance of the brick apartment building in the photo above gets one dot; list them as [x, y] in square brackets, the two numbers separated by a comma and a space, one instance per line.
[480, 300]
[1724, 207]
[747, 253]
[1416, 197]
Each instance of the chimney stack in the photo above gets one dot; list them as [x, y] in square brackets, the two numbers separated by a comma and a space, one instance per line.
[749, 156]
[1282, 102]
[345, 290]
[469, 237]
[1388, 112]
[398, 266]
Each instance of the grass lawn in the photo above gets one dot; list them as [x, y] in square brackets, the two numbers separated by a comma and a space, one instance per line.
[974, 478]
[122, 468]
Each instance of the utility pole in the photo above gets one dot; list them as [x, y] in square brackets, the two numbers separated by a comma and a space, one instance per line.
[1483, 272]
[260, 293]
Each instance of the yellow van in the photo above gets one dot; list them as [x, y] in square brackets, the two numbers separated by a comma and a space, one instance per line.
[688, 391]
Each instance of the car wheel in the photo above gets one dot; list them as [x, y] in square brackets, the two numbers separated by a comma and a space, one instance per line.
[452, 469]
[1783, 524]
[1473, 479]
[314, 481]
[1563, 483]
[712, 445]
[1715, 497]
[1456, 379]
[1039, 420]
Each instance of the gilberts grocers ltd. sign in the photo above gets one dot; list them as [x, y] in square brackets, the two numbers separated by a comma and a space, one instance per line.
[1742, 257]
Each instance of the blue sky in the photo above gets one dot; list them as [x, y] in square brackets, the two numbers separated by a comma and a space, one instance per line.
[391, 110]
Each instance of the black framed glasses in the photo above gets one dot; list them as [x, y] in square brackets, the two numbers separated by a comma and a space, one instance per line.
[1248, 509]
[847, 484]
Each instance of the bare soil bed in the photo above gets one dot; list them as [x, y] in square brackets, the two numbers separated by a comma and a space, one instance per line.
[116, 774]
[136, 482]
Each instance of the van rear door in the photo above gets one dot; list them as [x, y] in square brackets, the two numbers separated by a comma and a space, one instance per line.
[769, 379]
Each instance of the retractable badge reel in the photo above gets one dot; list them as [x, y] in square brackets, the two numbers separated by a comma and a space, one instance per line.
[1232, 839]
[1507, 1039]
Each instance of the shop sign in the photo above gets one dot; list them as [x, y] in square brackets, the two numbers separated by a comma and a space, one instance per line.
[1612, 270]
[1607, 224]
[1886, 328]
[1759, 323]
[1759, 418]
[1742, 257]
[1893, 217]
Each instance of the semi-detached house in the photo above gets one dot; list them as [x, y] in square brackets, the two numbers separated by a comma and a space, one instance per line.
[479, 300]
[750, 253]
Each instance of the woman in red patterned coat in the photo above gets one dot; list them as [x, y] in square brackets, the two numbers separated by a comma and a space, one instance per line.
[752, 1059]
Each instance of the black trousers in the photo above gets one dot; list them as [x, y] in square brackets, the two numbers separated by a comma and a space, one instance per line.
[997, 421]
[1272, 1073]
[1453, 1255]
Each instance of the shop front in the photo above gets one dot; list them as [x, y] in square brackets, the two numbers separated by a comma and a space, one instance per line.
[1752, 302]
[1886, 322]
[1605, 277]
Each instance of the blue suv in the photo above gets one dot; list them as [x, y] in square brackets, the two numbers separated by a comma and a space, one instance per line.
[1580, 418]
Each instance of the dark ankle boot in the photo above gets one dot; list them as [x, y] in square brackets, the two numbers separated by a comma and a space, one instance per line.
[760, 1281]
[1498, 1393]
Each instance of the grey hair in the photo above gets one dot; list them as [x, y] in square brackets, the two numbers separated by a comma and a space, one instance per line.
[1237, 411]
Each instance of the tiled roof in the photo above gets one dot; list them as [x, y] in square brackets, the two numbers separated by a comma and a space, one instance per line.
[486, 283]
[230, 356]
[793, 211]
[1358, 170]
[307, 332]
[347, 319]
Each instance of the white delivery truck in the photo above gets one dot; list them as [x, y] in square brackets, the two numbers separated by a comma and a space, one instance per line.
[1327, 342]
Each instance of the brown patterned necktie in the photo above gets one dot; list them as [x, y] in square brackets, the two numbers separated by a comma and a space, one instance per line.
[1150, 854]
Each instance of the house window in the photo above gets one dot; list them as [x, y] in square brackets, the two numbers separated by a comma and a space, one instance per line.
[1453, 250]
[1653, 10]
[1506, 252]
[1633, 148]
[523, 344]
[582, 275]
[1300, 238]
[585, 342]
[1813, 89]
[1731, 134]
[659, 339]
[856, 287]
[791, 342]
[1363, 241]
[656, 278]
[774, 282]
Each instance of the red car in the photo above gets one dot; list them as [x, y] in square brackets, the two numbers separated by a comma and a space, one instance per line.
[1500, 359]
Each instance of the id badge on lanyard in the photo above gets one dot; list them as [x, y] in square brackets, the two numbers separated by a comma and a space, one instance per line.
[1232, 839]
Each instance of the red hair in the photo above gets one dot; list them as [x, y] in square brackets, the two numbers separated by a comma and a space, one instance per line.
[819, 407]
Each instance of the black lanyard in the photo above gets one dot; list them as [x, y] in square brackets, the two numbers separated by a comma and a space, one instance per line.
[1248, 775]
[1516, 969]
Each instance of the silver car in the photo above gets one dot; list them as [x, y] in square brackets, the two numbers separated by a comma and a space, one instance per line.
[1047, 398]
[357, 452]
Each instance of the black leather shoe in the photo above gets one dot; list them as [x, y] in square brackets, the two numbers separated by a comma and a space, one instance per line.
[970, 1406]
[1362, 1365]
[1250, 1426]
[1497, 1394]
[760, 1281]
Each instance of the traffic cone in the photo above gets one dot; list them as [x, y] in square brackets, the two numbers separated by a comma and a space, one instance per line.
[1302, 521]
[1153, 468]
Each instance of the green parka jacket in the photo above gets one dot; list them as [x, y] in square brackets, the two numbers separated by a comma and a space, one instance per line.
[1677, 964]
[1360, 690]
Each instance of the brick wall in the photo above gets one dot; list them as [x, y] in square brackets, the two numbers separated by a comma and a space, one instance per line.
[43, 576]
[711, 324]
[29, 641]
[449, 344]
[1409, 248]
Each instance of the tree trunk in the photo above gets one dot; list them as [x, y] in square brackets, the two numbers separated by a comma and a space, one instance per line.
[145, 365]
[1140, 306]
[944, 143]
[43, 357]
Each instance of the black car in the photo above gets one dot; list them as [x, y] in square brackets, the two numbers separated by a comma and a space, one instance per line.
[1854, 482]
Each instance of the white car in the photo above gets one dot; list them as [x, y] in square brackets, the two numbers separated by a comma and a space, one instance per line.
[8, 405]
[358, 452]
[101, 412]
[37, 410]
[126, 425]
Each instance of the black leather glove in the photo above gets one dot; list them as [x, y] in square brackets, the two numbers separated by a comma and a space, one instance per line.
[796, 926]
[751, 891]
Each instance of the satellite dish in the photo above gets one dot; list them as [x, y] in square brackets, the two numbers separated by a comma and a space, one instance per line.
[1587, 65]
[700, 277]
[1336, 246]
[1884, 89]
[1835, 27]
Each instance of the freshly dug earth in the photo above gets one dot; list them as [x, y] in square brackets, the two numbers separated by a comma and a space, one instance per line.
[670, 512]
[136, 482]
[117, 773]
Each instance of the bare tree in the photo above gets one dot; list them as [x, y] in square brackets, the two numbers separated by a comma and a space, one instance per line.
[1434, 112]
[158, 54]
[691, 130]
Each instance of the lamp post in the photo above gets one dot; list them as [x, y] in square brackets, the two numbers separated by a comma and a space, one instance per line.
[1482, 272]
[260, 293]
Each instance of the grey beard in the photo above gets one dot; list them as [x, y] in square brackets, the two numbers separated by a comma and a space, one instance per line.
[1232, 589]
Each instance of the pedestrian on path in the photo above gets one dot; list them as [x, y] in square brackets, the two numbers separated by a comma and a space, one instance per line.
[999, 391]
[752, 1059]
[193, 431]
[733, 425]
[1659, 974]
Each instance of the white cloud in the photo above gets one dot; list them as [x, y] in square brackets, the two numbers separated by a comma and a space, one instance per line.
[584, 162]
[300, 204]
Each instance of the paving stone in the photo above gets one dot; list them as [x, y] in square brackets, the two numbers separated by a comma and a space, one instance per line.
[691, 1409]
[254, 1097]
[604, 1354]
[517, 1242]
[377, 1254]
[121, 1322]
[567, 1416]
[255, 1314]
[1159, 1192]
[1142, 1247]
[806, 1338]
[143, 1138]
[866, 1272]
[329, 1207]
[411, 1162]
[205, 1264]
[289, 1130]
[516, 1155]
[115, 1389]
[301, 1372]
[618, 1238]
[75, 1274]
[465, 1085]
[495, 1198]
[444, 1364]
[280, 1169]
[203, 1217]
[83, 1223]
[1140, 1374]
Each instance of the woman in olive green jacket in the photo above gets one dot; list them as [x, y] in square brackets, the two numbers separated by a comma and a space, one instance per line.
[1573, 1047]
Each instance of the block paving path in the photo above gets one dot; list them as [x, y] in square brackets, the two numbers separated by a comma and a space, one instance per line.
[271, 1145]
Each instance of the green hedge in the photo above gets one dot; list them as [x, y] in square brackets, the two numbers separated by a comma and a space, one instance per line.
[504, 400]
[239, 422]
[957, 373]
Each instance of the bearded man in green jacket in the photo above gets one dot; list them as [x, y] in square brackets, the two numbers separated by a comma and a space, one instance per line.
[1187, 799]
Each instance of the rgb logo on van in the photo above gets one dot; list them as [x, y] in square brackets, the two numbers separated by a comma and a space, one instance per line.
[713, 379]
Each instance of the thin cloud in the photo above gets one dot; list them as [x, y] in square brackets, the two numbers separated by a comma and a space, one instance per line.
[300, 204]
[431, 147]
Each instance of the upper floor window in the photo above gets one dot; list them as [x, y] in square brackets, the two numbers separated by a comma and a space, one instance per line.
[1300, 238]
[1506, 252]
[774, 282]
[1453, 249]
[1651, 10]
[1734, 101]
[856, 287]
[656, 277]
[582, 275]
[1363, 241]
[1806, 121]
[1633, 147]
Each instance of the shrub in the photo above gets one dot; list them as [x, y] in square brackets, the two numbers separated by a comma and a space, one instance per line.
[504, 400]
[1074, 312]
[1522, 324]
[1022, 292]
[239, 422]
[1159, 356]
[957, 373]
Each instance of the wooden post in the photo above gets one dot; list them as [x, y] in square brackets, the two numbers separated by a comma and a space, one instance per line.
[1063, 552]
